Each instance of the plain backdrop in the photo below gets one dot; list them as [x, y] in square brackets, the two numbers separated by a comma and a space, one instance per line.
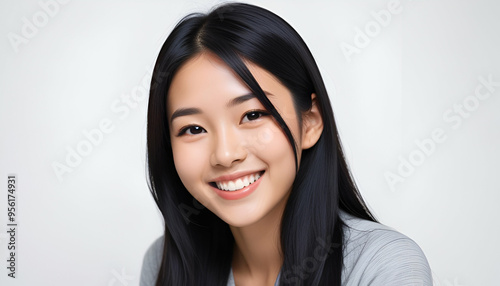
[419, 125]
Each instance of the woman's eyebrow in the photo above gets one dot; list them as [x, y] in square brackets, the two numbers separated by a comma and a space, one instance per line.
[240, 99]
[183, 112]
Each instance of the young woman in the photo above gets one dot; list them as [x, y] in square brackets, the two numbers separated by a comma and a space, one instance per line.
[246, 166]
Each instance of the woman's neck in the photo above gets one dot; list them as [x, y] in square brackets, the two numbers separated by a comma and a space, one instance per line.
[257, 258]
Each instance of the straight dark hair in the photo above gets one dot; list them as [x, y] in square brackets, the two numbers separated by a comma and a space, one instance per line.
[198, 245]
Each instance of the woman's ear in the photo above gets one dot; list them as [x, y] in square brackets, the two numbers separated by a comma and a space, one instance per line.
[312, 125]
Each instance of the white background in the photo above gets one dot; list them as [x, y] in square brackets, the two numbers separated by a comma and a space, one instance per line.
[93, 226]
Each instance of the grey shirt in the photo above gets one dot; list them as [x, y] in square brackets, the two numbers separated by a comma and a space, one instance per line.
[374, 254]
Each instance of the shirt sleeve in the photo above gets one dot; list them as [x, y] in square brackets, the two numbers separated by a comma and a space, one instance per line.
[398, 262]
[151, 263]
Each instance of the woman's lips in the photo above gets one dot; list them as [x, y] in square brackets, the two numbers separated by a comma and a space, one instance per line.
[237, 183]
[240, 193]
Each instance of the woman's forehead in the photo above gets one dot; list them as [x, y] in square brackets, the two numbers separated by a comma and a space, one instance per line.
[208, 75]
[204, 76]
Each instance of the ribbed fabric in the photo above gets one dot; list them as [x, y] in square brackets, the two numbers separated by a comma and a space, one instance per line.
[230, 281]
[374, 254]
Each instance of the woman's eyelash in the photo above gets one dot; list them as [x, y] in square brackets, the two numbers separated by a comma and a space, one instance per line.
[255, 114]
[193, 129]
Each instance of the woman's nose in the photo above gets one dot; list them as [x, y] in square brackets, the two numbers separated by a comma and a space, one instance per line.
[228, 149]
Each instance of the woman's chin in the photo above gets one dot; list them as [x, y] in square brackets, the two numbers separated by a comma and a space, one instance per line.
[240, 219]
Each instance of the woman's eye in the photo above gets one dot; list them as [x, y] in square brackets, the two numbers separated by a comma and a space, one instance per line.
[253, 115]
[191, 130]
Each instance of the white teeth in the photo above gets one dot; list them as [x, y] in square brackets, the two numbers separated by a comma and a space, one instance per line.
[239, 184]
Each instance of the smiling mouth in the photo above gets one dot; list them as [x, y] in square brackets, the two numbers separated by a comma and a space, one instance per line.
[238, 184]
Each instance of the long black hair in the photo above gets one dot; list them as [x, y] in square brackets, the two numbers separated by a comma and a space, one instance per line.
[198, 245]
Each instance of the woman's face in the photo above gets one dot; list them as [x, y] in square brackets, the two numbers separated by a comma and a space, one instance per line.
[229, 153]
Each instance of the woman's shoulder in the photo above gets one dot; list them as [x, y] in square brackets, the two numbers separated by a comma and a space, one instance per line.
[379, 255]
[151, 262]
[374, 254]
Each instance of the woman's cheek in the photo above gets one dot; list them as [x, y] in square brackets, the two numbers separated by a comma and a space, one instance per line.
[188, 162]
[262, 138]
